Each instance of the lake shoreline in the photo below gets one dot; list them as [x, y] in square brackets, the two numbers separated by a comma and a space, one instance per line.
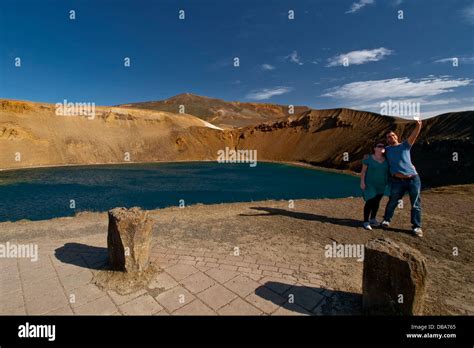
[151, 185]
[290, 163]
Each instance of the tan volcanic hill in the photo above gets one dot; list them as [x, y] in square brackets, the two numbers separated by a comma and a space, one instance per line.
[40, 137]
[317, 137]
[220, 112]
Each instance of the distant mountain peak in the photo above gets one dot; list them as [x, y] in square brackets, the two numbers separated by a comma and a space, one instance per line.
[188, 95]
[218, 111]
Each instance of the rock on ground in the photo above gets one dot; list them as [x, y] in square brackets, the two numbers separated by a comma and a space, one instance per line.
[129, 239]
[394, 278]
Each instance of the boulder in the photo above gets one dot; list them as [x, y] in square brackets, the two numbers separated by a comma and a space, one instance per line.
[129, 239]
[394, 279]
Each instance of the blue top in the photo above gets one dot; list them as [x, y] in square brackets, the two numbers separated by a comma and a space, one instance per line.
[376, 178]
[399, 159]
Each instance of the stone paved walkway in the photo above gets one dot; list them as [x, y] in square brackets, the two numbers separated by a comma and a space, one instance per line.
[190, 282]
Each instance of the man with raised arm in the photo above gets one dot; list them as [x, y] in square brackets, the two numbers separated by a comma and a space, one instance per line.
[404, 178]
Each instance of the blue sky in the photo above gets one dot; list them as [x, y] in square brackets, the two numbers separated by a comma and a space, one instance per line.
[285, 61]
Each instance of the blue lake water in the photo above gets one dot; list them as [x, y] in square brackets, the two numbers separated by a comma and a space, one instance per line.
[44, 193]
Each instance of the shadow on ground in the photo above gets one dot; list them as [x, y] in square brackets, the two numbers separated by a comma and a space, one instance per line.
[314, 217]
[82, 255]
[311, 300]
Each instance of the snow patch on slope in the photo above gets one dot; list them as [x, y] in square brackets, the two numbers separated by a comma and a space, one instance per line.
[210, 125]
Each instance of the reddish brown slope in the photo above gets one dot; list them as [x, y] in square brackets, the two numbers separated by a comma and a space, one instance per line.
[322, 137]
[219, 112]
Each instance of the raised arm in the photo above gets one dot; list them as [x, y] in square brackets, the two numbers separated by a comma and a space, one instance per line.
[412, 138]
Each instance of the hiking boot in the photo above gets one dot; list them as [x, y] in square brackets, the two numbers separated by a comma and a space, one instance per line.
[367, 226]
[418, 232]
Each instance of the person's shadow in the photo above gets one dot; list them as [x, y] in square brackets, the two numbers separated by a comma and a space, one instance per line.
[313, 217]
[83, 255]
[310, 300]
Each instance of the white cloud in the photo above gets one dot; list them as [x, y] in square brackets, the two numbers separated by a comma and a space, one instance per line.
[356, 6]
[468, 14]
[462, 60]
[437, 111]
[294, 58]
[267, 93]
[447, 101]
[267, 67]
[360, 57]
[428, 106]
[424, 102]
[437, 102]
[396, 88]
[444, 60]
